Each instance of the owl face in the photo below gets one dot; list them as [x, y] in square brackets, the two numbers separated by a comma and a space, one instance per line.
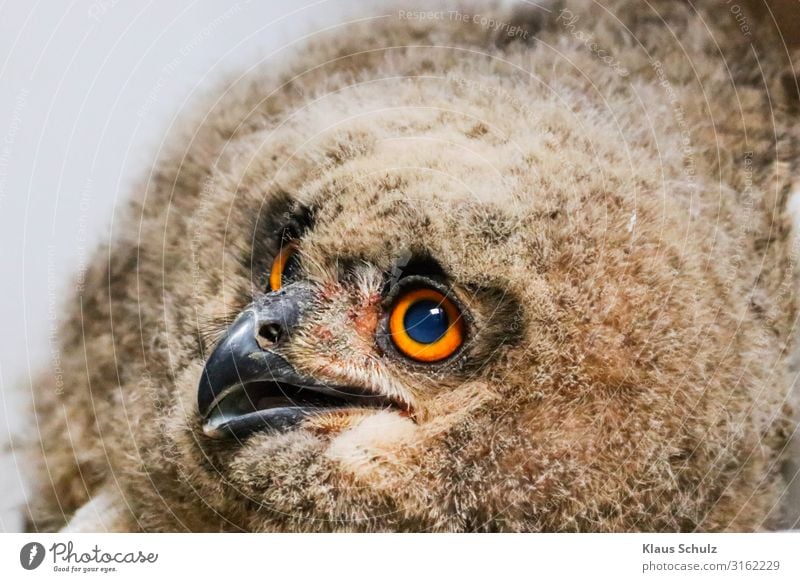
[338, 334]
[366, 328]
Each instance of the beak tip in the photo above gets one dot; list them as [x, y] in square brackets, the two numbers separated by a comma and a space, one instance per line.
[211, 431]
[229, 362]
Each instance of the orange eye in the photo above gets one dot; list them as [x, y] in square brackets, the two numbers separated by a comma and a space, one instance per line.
[426, 326]
[285, 263]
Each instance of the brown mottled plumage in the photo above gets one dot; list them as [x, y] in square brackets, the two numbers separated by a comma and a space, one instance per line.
[610, 211]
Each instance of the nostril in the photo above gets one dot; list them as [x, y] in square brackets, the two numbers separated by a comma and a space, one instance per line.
[269, 333]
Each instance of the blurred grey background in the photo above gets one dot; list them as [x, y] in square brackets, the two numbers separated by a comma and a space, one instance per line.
[87, 90]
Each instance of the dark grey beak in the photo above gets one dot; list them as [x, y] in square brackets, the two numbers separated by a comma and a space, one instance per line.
[244, 360]
[245, 354]
[237, 359]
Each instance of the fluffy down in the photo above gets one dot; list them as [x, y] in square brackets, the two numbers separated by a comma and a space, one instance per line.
[612, 213]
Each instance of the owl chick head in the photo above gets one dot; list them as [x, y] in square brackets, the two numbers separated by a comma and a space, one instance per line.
[427, 280]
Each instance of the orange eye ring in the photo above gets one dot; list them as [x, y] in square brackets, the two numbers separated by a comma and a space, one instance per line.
[279, 266]
[421, 305]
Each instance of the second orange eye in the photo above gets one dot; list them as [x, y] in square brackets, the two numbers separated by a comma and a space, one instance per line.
[284, 265]
[426, 326]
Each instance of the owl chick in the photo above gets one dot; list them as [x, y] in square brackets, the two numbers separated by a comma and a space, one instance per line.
[460, 270]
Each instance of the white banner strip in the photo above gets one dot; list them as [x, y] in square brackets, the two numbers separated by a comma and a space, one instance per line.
[407, 557]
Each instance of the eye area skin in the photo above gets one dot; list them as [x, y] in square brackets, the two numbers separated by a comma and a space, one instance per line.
[425, 325]
[284, 266]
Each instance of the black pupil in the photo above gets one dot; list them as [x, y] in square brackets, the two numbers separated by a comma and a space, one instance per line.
[426, 321]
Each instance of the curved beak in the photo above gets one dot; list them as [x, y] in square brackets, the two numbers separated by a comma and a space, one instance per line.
[240, 359]
[245, 388]
[236, 360]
